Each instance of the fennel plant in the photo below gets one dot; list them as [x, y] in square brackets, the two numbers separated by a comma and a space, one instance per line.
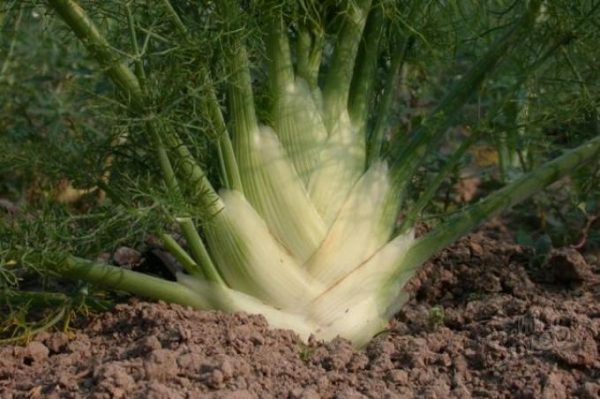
[303, 229]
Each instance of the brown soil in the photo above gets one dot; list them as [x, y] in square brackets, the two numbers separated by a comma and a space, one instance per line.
[482, 323]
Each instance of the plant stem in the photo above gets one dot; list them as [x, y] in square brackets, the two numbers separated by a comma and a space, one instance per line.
[240, 93]
[199, 251]
[432, 187]
[139, 66]
[188, 263]
[207, 269]
[428, 134]
[364, 76]
[281, 71]
[136, 283]
[229, 165]
[375, 142]
[175, 18]
[126, 80]
[241, 100]
[507, 142]
[309, 49]
[193, 175]
[515, 192]
[339, 75]
[97, 45]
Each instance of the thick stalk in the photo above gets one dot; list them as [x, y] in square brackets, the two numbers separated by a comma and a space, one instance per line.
[515, 192]
[507, 148]
[339, 75]
[400, 49]
[97, 45]
[294, 115]
[199, 251]
[192, 292]
[241, 101]
[240, 93]
[128, 83]
[309, 50]
[411, 217]
[186, 261]
[384, 108]
[410, 156]
[187, 167]
[271, 183]
[224, 177]
[432, 187]
[363, 79]
[229, 165]
[281, 70]
[119, 279]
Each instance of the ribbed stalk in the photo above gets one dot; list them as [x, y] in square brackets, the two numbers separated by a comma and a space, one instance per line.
[229, 300]
[364, 78]
[341, 163]
[515, 192]
[281, 70]
[271, 183]
[357, 305]
[309, 50]
[277, 193]
[410, 156]
[433, 186]
[198, 250]
[339, 75]
[229, 165]
[296, 118]
[192, 174]
[375, 141]
[120, 279]
[300, 127]
[97, 45]
[343, 156]
[188, 263]
[199, 253]
[253, 261]
[241, 100]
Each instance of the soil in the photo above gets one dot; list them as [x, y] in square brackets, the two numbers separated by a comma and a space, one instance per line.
[487, 319]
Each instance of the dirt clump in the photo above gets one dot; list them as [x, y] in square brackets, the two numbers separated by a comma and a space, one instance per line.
[479, 325]
[567, 266]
